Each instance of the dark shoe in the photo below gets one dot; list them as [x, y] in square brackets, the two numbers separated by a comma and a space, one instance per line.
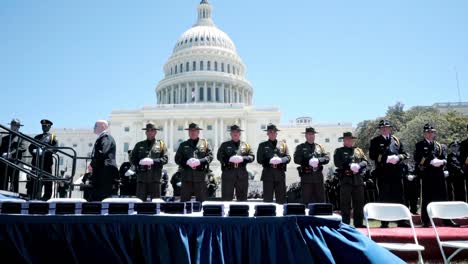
[383, 226]
[404, 224]
[360, 226]
[426, 225]
[450, 223]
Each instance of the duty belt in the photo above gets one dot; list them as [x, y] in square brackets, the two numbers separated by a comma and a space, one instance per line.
[234, 165]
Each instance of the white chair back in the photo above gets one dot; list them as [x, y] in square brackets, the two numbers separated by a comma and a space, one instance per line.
[447, 210]
[387, 211]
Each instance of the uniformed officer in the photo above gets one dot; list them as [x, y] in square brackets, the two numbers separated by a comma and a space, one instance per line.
[430, 158]
[12, 148]
[128, 177]
[194, 157]
[42, 159]
[387, 152]
[351, 164]
[148, 157]
[455, 180]
[274, 157]
[311, 157]
[234, 155]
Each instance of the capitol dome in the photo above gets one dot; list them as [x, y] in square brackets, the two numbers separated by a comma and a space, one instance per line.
[204, 67]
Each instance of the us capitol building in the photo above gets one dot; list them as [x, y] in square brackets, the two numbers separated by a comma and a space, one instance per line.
[204, 82]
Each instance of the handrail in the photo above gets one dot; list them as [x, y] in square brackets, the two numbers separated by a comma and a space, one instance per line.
[39, 173]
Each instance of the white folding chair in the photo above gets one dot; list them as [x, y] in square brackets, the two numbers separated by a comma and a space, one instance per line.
[393, 212]
[448, 210]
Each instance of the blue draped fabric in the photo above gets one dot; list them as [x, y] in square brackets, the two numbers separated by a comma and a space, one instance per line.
[171, 239]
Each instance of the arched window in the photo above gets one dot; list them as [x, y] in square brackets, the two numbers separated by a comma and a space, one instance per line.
[175, 69]
[222, 66]
[194, 66]
[208, 66]
[181, 68]
[187, 66]
[228, 68]
[216, 66]
[201, 65]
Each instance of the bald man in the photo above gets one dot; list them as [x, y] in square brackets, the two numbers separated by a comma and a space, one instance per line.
[103, 166]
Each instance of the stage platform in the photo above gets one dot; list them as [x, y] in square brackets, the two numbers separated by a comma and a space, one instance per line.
[426, 238]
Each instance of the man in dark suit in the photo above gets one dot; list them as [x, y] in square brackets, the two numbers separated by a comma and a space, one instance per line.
[11, 148]
[103, 166]
[42, 160]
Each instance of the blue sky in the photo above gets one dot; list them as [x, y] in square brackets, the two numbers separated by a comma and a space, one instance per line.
[75, 61]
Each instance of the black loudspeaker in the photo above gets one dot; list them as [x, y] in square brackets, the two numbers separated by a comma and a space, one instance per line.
[320, 209]
[11, 208]
[65, 208]
[239, 210]
[173, 208]
[213, 210]
[39, 208]
[91, 208]
[294, 209]
[146, 208]
[118, 208]
[265, 210]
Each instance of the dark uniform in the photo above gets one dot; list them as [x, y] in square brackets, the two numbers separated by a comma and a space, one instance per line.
[312, 180]
[234, 175]
[464, 162]
[455, 180]
[433, 179]
[194, 180]
[149, 177]
[351, 183]
[127, 182]
[104, 167]
[12, 149]
[273, 176]
[176, 183]
[412, 188]
[389, 176]
[33, 189]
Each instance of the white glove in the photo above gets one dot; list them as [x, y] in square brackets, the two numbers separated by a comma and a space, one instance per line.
[410, 177]
[236, 159]
[313, 162]
[129, 173]
[276, 160]
[179, 184]
[437, 162]
[355, 167]
[393, 159]
[146, 162]
[193, 163]
[446, 174]
[6, 155]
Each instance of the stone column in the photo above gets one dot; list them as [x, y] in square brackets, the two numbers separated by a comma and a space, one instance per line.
[205, 92]
[197, 93]
[221, 93]
[216, 137]
[166, 132]
[171, 135]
